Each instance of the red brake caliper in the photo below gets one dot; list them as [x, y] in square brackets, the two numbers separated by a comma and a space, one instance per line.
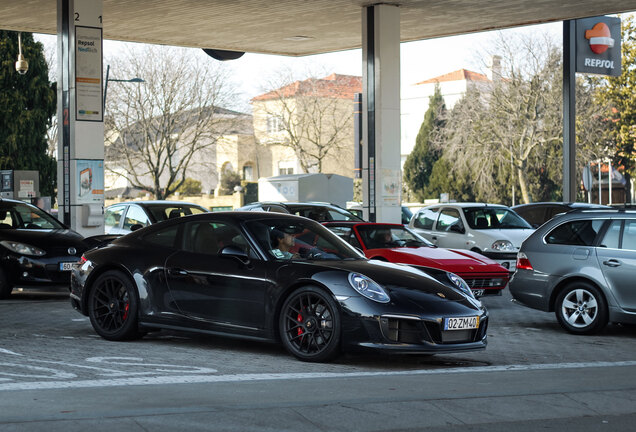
[126, 311]
[299, 318]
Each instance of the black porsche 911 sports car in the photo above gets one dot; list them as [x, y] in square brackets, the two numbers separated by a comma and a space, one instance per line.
[271, 277]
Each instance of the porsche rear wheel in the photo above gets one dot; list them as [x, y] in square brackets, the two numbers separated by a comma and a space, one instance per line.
[309, 325]
[113, 307]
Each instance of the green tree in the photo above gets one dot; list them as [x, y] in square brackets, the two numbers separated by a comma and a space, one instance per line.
[618, 94]
[190, 187]
[419, 163]
[229, 179]
[27, 105]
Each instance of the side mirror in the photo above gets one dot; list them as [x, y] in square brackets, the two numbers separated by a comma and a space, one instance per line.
[236, 253]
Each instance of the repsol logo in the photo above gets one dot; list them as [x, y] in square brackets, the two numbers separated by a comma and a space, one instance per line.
[86, 43]
[599, 63]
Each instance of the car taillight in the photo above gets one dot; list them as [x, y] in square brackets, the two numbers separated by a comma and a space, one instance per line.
[83, 259]
[523, 262]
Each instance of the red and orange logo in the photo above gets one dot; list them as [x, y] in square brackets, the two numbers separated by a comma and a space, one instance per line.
[600, 38]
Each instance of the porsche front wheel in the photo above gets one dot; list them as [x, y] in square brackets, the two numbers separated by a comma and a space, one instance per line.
[309, 325]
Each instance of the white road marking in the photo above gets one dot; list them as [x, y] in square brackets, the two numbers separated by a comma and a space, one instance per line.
[198, 379]
[6, 351]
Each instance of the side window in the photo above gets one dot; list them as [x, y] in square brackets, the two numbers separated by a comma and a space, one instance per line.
[613, 235]
[449, 220]
[629, 235]
[164, 238]
[425, 219]
[577, 233]
[112, 216]
[209, 238]
[135, 216]
[346, 233]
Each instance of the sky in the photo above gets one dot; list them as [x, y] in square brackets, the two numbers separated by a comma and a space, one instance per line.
[420, 60]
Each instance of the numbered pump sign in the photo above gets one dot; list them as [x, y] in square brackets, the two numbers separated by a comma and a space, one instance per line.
[598, 45]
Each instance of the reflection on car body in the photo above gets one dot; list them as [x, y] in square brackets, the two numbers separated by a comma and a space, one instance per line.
[222, 273]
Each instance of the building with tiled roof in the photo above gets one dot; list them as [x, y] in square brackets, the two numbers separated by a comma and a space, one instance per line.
[453, 85]
[303, 118]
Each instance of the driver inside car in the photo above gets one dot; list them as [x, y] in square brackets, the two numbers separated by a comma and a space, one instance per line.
[282, 243]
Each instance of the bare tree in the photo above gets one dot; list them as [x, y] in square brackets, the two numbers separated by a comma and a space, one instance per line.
[312, 117]
[158, 130]
[509, 133]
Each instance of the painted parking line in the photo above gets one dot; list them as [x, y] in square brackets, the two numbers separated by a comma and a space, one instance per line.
[199, 379]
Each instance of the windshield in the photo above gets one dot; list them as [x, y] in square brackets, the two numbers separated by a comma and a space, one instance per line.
[162, 212]
[287, 239]
[24, 216]
[494, 218]
[390, 236]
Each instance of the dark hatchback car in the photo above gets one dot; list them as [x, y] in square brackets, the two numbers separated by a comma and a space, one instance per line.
[581, 265]
[245, 274]
[125, 217]
[536, 214]
[320, 212]
[36, 250]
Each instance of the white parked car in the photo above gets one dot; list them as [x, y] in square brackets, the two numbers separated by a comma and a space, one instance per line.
[492, 230]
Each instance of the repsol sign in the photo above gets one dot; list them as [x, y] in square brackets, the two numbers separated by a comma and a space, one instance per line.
[598, 45]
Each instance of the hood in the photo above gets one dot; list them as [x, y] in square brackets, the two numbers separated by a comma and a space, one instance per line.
[453, 260]
[399, 277]
[45, 239]
[515, 236]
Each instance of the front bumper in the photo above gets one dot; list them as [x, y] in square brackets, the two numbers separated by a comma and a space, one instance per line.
[410, 333]
[37, 271]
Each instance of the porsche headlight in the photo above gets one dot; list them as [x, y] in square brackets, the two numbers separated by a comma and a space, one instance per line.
[461, 284]
[503, 246]
[22, 248]
[368, 288]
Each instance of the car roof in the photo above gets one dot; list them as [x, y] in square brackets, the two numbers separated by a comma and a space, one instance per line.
[561, 203]
[466, 205]
[157, 202]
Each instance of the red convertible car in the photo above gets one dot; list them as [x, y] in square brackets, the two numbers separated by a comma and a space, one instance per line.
[397, 244]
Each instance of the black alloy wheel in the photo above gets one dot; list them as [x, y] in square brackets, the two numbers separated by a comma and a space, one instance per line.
[310, 325]
[5, 288]
[113, 307]
[581, 308]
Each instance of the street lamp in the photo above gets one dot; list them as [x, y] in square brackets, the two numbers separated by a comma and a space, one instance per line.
[132, 80]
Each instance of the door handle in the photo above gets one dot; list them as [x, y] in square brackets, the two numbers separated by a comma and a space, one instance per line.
[612, 263]
[177, 272]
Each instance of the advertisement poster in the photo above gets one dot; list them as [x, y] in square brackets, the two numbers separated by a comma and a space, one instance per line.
[88, 73]
[90, 181]
[391, 187]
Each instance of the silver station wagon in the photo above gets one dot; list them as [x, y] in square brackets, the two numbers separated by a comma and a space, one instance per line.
[582, 266]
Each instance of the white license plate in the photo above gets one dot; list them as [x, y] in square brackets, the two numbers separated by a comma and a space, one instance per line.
[462, 323]
[66, 266]
[478, 292]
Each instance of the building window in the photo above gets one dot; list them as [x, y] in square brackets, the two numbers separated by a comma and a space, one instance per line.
[274, 124]
[248, 172]
[286, 167]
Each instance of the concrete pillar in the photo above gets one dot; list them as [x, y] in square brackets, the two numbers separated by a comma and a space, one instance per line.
[80, 115]
[382, 177]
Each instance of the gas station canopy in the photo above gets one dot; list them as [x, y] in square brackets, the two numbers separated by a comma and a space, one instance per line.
[297, 27]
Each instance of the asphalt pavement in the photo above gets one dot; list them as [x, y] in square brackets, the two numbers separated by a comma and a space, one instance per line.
[57, 374]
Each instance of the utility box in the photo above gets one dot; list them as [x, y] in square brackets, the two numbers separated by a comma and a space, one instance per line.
[19, 184]
[330, 188]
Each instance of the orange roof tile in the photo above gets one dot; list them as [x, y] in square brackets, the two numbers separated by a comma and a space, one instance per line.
[458, 75]
[334, 86]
